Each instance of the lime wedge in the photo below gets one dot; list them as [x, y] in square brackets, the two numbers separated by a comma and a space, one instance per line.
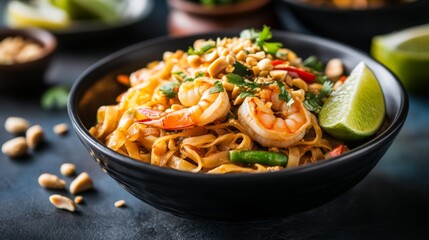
[72, 9]
[356, 110]
[44, 15]
[406, 53]
[104, 10]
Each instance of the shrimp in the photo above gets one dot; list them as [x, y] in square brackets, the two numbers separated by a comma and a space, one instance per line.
[201, 107]
[281, 129]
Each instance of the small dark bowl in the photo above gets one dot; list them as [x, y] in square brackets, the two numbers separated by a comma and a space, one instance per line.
[27, 75]
[350, 26]
[231, 197]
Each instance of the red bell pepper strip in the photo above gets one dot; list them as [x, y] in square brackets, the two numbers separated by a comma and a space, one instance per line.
[277, 62]
[306, 76]
[297, 72]
[337, 151]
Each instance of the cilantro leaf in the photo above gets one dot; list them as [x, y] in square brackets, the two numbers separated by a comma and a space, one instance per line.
[240, 81]
[271, 47]
[321, 78]
[170, 89]
[55, 98]
[199, 74]
[327, 88]
[241, 70]
[268, 47]
[202, 50]
[182, 76]
[314, 63]
[261, 39]
[235, 79]
[314, 103]
[284, 94]
[217, 87]
[246, 94]
[265, 34]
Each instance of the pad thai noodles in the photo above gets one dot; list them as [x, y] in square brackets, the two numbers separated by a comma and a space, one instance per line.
[241, 104]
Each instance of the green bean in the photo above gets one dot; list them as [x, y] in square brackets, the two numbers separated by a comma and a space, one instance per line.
[258, 156]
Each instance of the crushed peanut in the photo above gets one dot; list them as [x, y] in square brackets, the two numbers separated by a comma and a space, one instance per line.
[120, 203]
[51, 181]
[16, 147]
[16, 125]
[83, 182]
[78, 199]
[62, 202]
[334, 69]
[18, 50]
[34, 136]
[68, 169]
[61, 129]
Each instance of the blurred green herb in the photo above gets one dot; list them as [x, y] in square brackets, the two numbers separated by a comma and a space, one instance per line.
[182, 76]
[246, 94]
[170, 89]
[202, 50]
[55, 98]
[314, 63]
[218, 87]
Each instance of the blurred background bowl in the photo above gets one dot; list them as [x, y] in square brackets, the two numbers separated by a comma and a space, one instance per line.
[355, 27]
[231, 197]
[27, 75]
[191, 17]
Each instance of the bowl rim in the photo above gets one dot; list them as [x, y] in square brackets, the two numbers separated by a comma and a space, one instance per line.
[374, 143]
[42, 37]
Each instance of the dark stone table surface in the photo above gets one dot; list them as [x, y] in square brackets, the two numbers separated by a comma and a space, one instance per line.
[392, 202]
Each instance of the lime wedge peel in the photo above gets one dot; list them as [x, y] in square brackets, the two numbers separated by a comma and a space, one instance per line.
[357, 109]
[405, 53]
[45, 15]
[393, 41]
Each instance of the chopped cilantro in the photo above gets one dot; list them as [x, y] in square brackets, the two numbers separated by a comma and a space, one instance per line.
[241, 70]
[314, 103]
[240, 81]
[284, 94]
[327, 88]
[170, 89]
[200, 74]
[246, 94]
[314, 63]
[218, 87]
[268, 47]
[202, 50]
[235, 79]
[182, 76]
[261, 39]
[321, 78]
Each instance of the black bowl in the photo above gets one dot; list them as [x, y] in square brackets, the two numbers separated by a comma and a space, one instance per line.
[231, 197]
[350, 26]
